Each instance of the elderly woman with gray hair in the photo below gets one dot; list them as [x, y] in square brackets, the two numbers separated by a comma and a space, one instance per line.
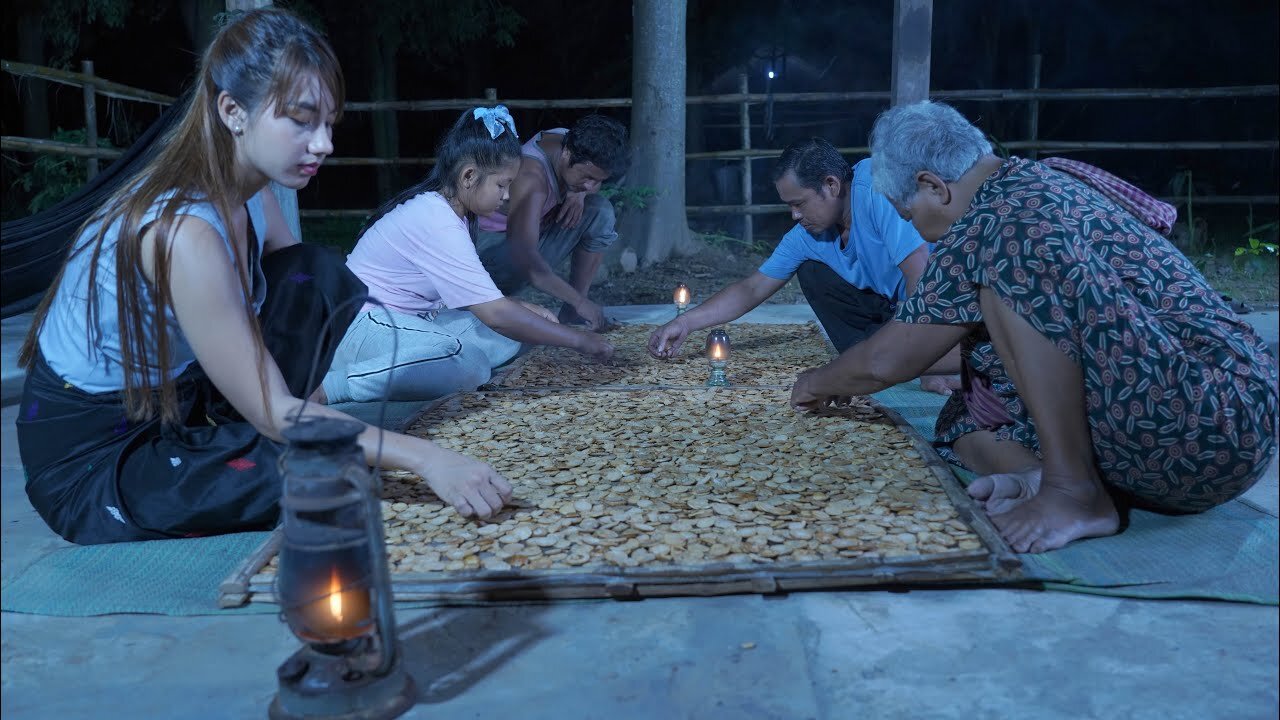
[1100, 366]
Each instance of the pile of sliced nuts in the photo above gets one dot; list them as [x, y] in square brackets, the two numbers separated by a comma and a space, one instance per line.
[671, 477]
[680, 478]
[760, 355]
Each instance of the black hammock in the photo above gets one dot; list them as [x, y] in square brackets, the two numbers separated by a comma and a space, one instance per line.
[32, 248]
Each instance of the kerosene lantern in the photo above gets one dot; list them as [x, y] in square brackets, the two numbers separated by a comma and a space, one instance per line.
[333, 585]
[681, 298]
[718, 356]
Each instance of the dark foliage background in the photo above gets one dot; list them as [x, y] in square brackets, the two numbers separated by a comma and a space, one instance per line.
[559, 49]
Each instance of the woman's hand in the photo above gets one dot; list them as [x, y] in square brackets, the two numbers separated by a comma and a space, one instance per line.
[595, 346]
[571, 209]
[940, 384]
[472, 487]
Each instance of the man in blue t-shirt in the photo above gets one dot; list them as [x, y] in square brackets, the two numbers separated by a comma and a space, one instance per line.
[855, 256]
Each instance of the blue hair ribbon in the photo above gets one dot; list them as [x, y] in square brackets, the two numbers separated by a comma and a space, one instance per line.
[496, 119]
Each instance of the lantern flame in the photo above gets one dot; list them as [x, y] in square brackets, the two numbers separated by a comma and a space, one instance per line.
[335, 595]
[681, 295]
[717, 352]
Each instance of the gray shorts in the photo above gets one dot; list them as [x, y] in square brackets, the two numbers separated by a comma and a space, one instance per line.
[594, 233]
[414, 357]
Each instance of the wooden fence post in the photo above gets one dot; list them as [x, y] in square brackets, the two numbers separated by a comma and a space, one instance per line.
[90, 116]
[744, 118]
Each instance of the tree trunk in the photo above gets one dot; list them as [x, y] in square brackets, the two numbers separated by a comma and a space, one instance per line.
[386, 129]
[658, 132]
[33, 91]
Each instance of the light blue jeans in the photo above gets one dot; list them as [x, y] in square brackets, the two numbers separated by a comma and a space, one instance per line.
[438, 353]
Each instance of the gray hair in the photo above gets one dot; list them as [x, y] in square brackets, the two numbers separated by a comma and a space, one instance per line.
[922, 136]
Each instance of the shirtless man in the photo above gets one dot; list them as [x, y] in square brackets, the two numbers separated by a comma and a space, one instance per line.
[555, 212]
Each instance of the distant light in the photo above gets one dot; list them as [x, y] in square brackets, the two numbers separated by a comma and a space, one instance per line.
[770, 74]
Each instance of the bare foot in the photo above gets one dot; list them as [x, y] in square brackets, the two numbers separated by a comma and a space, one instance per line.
[940, 384]
[1001, 492]
[1063, 510]
[318, 397]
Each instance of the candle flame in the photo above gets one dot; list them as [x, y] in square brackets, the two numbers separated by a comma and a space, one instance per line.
[335, 595]
[717, 352]
[682, 295]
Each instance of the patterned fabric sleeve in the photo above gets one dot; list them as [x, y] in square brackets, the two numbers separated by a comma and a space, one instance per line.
[947, 292]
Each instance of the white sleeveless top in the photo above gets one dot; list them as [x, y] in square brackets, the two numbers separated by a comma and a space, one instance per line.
[91, 361]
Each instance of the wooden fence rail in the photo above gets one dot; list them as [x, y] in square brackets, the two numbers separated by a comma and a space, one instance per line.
[778, 208]
[102, 87]
[54, 147]
[743, 99]
[125, 92]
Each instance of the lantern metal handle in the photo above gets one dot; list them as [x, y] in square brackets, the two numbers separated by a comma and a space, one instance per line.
[315, 364]
[368, 486]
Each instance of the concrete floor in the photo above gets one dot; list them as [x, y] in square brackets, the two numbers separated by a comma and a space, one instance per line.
[870, 654]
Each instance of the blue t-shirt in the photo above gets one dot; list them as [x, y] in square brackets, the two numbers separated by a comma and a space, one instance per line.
[879, 240]
[93, 362]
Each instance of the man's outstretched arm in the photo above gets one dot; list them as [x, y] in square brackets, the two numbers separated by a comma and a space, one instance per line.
[912, 268]
[731, 303]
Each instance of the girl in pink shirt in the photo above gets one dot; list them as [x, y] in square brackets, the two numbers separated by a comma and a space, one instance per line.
[451, 323]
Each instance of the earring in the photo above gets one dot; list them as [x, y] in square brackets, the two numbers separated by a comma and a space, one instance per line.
[238, 130]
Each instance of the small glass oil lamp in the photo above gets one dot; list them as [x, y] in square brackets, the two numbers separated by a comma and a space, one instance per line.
[333, 586]
[681, 298]
[718, 356]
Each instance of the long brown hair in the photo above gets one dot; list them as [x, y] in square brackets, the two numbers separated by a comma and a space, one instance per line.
[262, 57]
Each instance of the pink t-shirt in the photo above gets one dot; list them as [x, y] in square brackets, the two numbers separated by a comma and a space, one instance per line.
[419, 257]
[497, 222]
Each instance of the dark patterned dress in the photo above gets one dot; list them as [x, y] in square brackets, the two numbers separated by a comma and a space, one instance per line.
[1180, 392]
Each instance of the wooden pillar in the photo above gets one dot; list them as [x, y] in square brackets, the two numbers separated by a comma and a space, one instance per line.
[912, 38]
[744, 118]
[491, 95]
[90, 117]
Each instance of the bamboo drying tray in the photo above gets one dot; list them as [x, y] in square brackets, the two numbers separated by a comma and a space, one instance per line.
[655, 492]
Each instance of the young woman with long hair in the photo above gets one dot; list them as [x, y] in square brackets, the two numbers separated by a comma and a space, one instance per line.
[175, 343]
